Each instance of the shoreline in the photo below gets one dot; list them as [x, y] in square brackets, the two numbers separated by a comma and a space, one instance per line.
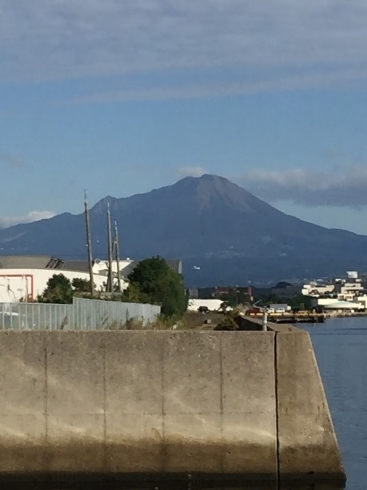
[345, 315]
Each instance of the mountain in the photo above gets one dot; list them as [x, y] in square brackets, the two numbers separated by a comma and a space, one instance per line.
[223, 234]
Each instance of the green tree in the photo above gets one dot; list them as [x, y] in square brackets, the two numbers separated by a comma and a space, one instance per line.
[59, 290]
[153, 281]
[131, 294]
[81, 285]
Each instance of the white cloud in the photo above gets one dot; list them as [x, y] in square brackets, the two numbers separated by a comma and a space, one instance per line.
[191, 171]
[7, 221]
[339, 186]
[52, 40]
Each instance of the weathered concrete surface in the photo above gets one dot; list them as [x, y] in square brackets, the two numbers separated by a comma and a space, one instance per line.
[307, 441]
[22, 402]
[157, 403]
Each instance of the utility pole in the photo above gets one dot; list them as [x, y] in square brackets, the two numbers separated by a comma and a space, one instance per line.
[117, 245]
[110, 271]
[89, 244]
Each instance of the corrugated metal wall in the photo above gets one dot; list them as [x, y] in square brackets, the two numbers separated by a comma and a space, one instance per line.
[83, 314]
[92, 314]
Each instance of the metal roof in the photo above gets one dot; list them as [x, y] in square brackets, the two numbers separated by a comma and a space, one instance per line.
[76, 266]
[49, 262]
[41, 262]
[29, 262]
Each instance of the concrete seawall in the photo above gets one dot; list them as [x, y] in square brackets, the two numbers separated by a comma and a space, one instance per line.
[242, 405]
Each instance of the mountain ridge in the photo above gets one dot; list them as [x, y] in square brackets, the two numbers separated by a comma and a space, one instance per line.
[208, 222]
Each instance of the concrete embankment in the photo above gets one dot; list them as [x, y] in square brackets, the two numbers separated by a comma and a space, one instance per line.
[238, 405]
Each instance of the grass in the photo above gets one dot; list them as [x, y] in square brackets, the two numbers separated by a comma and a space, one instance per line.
[195, 320]
[191, 320]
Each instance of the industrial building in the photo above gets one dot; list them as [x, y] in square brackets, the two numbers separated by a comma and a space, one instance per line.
[24, 277]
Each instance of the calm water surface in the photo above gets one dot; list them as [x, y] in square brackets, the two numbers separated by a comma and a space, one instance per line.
[341, 351]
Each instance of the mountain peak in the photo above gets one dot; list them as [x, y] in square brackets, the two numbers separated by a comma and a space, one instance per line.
[207, 221]
[209, 189]
[209, 178]
[209, 183]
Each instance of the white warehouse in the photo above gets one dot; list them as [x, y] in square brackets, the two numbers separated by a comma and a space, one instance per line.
[24, 277]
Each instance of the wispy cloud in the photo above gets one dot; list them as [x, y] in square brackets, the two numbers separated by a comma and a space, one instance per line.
[9, 159]
[7, 221]
[191, 171]
[257, 84]
[43, 40]
[340, 186]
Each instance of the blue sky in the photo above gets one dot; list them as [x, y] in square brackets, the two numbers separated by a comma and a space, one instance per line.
[122, 96]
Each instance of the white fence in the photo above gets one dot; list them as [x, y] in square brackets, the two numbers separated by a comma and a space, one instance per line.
[83, 314]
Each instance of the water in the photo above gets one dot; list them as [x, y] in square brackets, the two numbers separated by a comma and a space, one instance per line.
[341, 351]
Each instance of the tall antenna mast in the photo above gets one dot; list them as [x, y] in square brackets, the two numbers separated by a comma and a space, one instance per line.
[110, 272]
[117, 245]
[89, 244]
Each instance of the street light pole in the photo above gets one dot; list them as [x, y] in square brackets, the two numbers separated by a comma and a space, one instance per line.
[265, 319]
[264, 311]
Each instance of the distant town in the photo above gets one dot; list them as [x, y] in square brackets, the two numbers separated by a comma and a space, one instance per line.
[333, 296]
